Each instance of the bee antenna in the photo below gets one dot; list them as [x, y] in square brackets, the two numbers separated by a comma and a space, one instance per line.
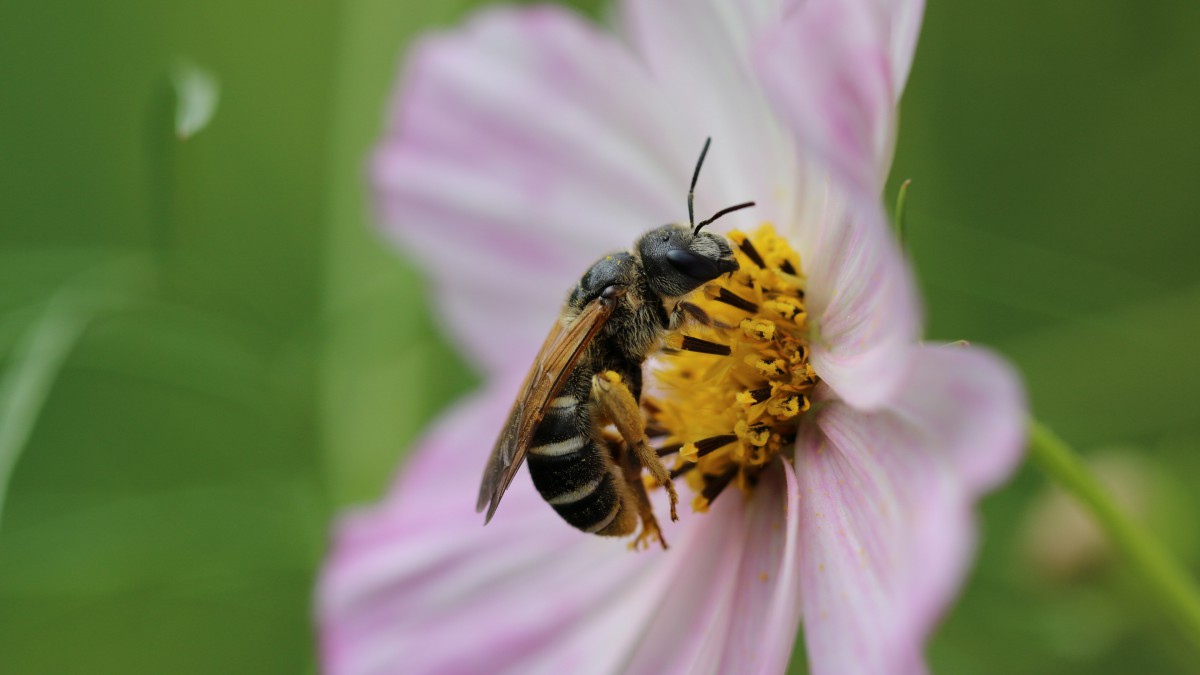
[718, 214]
[695, 177]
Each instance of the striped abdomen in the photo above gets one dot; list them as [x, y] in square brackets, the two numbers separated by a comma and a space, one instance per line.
[575, 475]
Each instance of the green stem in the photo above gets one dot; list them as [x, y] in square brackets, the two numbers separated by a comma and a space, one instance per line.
[1175, 589]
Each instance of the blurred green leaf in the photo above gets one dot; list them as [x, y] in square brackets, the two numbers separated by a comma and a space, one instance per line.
[41, 350]
[385, 370]
[1110, 376]
[150, 540]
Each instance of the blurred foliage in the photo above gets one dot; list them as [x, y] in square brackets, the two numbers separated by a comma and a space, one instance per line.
[233, 354]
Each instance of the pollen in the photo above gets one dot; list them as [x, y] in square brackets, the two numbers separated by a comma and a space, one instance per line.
[735, 390]
[759, 329]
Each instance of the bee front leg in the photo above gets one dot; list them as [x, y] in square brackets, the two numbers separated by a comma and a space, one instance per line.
[618, 405]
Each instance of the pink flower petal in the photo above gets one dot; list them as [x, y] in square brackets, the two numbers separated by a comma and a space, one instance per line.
[520, 149]
[879, 518]
[698, 51]
[886, 497]
[862, 296]
[972, 402]
[835, 70]
[733, 600]
[766, 613]
[417, 584]
[862, 301]
[900, 20]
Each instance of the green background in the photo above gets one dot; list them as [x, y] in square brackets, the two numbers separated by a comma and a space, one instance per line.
[207, 352]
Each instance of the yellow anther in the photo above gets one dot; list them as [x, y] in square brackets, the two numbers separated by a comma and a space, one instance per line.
[784, 408]
[784, 308]
[809, 374]
[759, 437]
[757, 391]
[756, 435]
[766, 367]
[759, 329]
[799, 356]
[794, 282]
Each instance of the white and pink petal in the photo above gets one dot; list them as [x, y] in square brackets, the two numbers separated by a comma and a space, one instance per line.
[698, 52]
[970, 404]
[519, 149]
[834, 70]
[417, 584]
[886, 533]
[731, 602]
[886, 504]
[862, 300]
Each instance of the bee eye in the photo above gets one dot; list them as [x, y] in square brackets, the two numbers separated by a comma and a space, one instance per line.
[695, 266]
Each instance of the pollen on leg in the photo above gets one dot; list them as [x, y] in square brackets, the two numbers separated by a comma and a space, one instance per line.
[733, 391]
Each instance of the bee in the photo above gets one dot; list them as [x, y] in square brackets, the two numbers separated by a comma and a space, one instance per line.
[588, 375]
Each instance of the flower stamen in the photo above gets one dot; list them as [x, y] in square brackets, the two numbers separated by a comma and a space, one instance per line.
[724, 295]
[668, 450]
[699, 345]
[727, 419]
[702, 447]
[711, 490]
[748, 249]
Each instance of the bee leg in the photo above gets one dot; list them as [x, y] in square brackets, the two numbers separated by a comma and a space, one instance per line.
[637, 490]
[650, 529]
[618, 404]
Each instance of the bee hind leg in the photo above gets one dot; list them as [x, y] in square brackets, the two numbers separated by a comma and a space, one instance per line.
[618, 405]
[650, 529]
[636, 493]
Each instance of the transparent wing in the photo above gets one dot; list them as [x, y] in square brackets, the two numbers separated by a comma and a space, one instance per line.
[559, 354]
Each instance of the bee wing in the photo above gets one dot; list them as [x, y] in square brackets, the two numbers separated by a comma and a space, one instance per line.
[558, 356]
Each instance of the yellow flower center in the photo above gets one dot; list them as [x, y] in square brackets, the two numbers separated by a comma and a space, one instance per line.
[734, 391]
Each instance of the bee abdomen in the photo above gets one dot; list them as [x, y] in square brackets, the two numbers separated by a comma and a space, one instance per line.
[578, 484]
[570, 471]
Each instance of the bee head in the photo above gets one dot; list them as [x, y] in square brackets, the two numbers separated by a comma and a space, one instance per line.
[678, 260]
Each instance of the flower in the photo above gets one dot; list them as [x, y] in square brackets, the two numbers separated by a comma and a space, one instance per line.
[528, 143]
